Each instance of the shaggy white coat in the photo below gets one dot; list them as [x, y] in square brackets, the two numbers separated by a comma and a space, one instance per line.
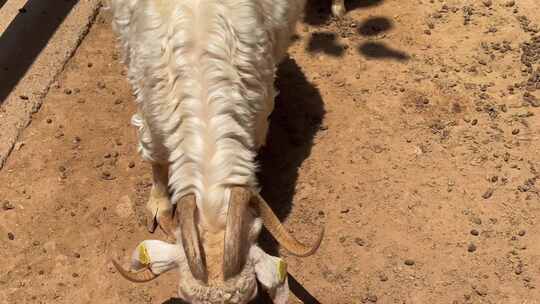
[203, 74]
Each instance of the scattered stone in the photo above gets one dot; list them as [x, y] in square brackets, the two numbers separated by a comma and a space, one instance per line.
[480, 290]
[359, 241]
[23, 97]
[131, 164]
[521, 233]
[471, 247]
[372, 298]
[475, 232]
[7, 205]
[531, 99]
[67, 91]
[409, 262]
[11, 236]
[487, 3]
[488, 193]
[106, 175]
[510, 3]
[515, 132]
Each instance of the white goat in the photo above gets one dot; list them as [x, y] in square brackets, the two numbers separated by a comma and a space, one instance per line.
[203, 75]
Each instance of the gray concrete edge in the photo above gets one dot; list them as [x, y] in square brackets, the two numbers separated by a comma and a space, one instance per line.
[16, 112]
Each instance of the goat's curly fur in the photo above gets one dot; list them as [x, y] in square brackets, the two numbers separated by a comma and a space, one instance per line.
[203, 73]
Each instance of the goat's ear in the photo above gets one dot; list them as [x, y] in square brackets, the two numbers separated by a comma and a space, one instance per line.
[236, 232]
[190, 237]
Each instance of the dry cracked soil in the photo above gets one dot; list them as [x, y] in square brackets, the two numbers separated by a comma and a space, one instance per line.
[409, 128]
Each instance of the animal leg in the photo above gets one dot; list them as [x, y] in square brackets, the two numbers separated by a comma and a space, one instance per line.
[338, 8]
[159, 208]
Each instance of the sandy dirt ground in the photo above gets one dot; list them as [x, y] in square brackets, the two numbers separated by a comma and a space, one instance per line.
[409, 128]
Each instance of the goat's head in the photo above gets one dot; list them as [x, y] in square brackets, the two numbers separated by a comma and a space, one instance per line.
[218, 266]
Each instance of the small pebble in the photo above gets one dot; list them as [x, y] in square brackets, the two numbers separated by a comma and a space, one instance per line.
[11, 236]
[521, 233]
[49, 120]
[359, 241]
[8, 206]
[372, 298]
[131, 164]
[106, 175]
[488, 193]
[409, 262]
[515, 131]
[68, 91]
[475, 232]
[474, 122]
[471, 248]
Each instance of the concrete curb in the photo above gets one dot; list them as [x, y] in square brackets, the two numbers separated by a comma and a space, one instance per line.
[27, 96]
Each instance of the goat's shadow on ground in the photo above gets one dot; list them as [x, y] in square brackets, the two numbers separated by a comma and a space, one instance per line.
[296, 118]
[318, 13]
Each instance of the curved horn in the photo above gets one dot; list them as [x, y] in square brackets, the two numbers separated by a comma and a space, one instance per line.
[140, 276]
[190, 236]
[235, 247]
[274, 226]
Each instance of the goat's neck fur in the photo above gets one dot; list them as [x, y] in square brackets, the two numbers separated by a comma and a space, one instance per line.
[203, 74]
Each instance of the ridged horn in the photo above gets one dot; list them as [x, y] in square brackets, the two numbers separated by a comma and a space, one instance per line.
[235, 247]
[278, 231]
[186, 208]
[140, 276]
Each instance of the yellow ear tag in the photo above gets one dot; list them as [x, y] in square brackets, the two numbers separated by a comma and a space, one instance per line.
[281, 270]
[144, 257]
